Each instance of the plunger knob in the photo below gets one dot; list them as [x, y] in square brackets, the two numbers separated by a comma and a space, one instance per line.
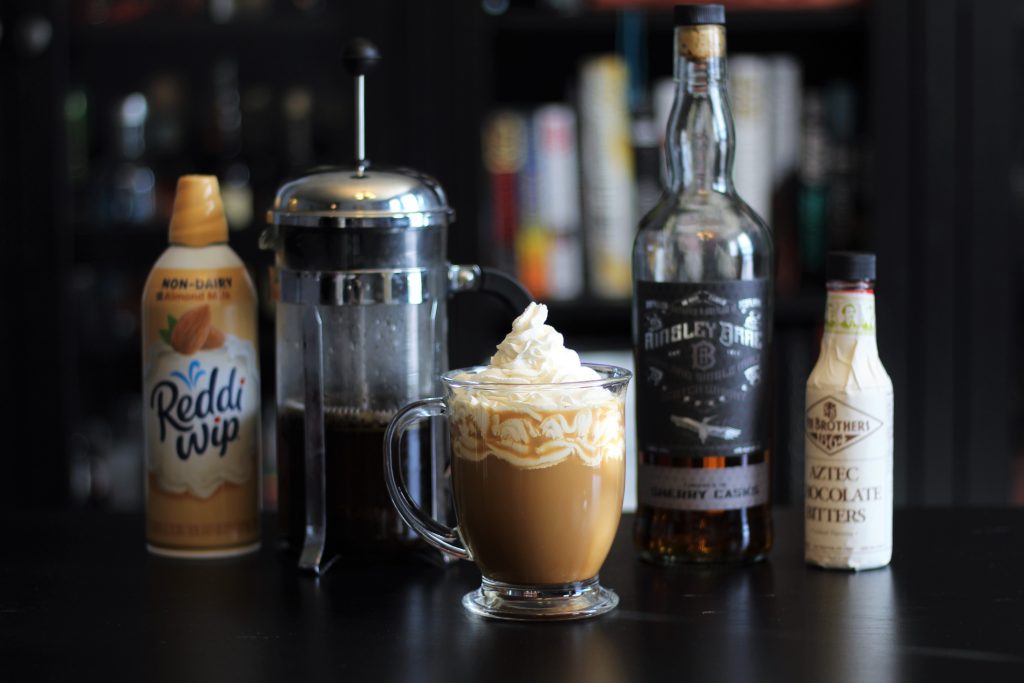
[360, 56]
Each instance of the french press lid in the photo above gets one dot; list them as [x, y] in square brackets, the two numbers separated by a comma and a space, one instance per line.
[361, 197]
[358, 218]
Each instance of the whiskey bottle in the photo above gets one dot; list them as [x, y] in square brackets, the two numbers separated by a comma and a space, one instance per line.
[702, 326]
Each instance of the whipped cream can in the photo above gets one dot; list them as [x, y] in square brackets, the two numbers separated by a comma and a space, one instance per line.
[201, 387]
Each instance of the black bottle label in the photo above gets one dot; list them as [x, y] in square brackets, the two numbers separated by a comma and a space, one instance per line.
[701, 355]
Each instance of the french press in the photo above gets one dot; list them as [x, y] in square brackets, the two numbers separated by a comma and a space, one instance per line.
[363, 282]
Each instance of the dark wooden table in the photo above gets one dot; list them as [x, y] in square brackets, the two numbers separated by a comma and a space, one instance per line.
[80, 599]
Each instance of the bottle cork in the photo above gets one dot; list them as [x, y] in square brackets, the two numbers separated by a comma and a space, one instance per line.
[700, 31]
[198, 216]
[703, 42]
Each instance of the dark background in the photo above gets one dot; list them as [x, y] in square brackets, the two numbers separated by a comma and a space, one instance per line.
[941, 101]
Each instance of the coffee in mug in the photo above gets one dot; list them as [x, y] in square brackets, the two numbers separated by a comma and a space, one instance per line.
[538, 472]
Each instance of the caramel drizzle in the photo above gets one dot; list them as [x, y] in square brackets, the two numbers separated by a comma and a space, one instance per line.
[539, 438]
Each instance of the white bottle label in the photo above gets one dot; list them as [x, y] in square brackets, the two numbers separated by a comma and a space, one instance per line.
[704, 488]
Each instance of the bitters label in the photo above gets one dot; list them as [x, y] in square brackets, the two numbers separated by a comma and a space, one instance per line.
[848, 477]
[850, 313]
[833, 425]
[701, 351]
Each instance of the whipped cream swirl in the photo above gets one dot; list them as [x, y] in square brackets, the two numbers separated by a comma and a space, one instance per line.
[542, 419]
[533, 353]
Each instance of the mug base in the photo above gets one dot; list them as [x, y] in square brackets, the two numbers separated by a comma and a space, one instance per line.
[580, 600]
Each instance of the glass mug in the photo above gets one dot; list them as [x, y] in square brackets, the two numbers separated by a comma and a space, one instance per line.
[538, 473]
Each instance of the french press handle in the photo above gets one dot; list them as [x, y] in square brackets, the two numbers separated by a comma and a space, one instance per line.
[491, 281]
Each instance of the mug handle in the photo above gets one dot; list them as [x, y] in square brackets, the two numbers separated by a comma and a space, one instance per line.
[445, 539]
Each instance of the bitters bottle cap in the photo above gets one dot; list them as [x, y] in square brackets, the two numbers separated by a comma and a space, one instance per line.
[198, 217]
[850, 265]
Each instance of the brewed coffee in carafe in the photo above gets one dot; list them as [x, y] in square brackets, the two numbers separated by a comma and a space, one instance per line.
[376, 357]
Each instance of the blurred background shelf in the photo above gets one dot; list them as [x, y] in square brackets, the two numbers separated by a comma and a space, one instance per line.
[260, 95]
[535, 21]
[118, 244]
[155, 34]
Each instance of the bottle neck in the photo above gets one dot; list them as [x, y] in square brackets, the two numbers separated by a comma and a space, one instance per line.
[700, 136]
[850, 309]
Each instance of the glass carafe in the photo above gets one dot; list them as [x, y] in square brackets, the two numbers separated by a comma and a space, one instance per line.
[363, 284]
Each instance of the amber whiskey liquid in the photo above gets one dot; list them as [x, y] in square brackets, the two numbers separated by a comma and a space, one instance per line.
[666, 536]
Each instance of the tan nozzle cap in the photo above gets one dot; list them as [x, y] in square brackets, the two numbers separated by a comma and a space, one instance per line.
[198, 218]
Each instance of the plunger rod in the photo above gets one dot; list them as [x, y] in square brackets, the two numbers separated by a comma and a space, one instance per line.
[361, 120]
[359, 57]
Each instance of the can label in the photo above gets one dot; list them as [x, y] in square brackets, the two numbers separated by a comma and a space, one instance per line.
[202, 408]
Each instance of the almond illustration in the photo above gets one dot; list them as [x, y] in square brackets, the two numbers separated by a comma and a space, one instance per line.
[215, 340]
[191, 330]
